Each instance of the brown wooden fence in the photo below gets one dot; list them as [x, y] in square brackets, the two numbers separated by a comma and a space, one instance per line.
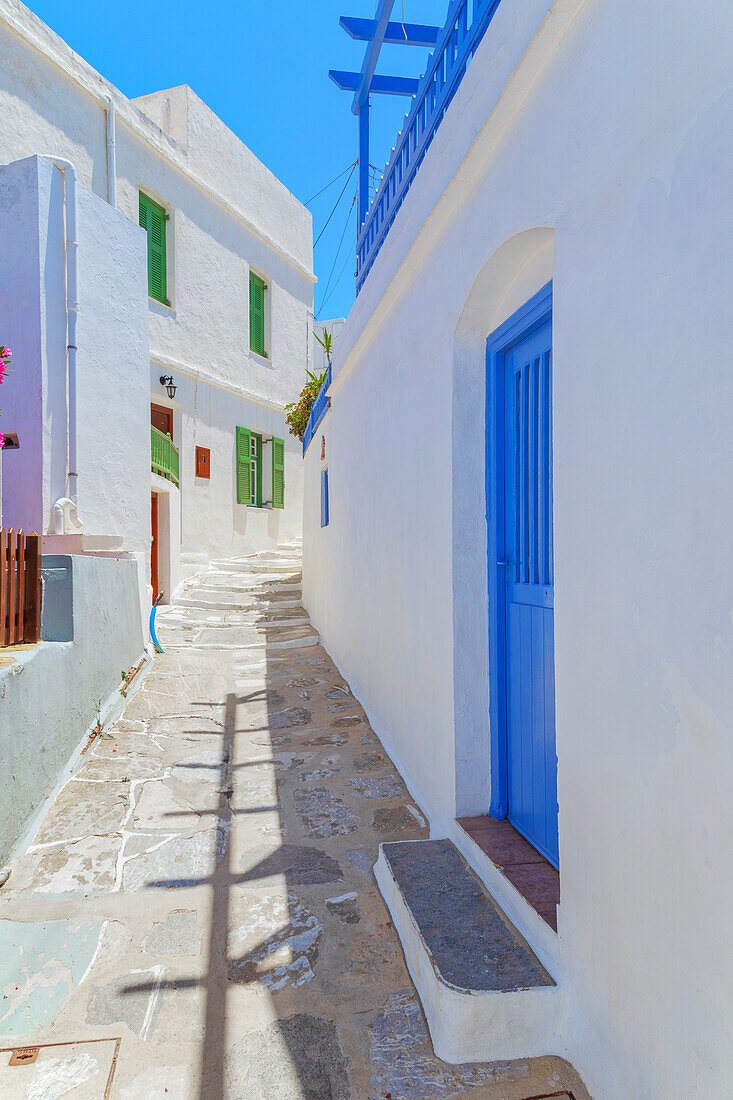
[20, 587]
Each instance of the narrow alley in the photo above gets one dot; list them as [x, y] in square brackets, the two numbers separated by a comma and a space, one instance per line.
[198, 902]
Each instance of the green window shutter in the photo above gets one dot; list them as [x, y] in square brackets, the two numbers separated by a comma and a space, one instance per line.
[258, 488]
[278, 472]
[153, 219]
[244, 495]
[256, 314]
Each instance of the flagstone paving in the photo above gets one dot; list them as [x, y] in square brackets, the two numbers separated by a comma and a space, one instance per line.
[201, 889]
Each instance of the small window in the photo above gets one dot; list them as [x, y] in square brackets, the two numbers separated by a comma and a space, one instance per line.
[255, 469]
[153, 220]
[203, 462]
[260, 469]
[324, 498]
[257, 288]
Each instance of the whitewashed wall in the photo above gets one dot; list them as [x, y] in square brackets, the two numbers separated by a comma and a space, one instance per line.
[227, 213]
[112, 339]
[590, 143]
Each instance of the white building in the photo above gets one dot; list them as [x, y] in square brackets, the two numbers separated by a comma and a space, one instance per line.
[566, 233]
[228, 253]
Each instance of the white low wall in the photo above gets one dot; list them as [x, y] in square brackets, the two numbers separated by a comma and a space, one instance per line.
[587, 144]
[52, 693]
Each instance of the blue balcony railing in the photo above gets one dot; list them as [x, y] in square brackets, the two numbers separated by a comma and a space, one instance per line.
[319, 409]
[464, 28]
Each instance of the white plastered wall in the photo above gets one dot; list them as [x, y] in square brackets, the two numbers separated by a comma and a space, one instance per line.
[613, 135]
[112, 350]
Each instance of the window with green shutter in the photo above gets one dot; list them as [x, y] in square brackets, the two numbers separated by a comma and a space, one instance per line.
[249, 467]
[278, 472]
[153, 219]
[257, 288]
[244, 483]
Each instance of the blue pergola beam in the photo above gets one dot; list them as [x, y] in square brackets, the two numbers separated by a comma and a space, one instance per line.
[371, 55]
[396, 34]
[384, 85]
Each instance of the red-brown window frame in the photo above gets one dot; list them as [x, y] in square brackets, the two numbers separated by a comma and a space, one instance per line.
[203, 462]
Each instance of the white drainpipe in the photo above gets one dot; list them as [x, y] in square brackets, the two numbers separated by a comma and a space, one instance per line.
[111, 154]
[65, 510]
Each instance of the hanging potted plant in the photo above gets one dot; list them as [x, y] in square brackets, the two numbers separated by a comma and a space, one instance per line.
[298, 413]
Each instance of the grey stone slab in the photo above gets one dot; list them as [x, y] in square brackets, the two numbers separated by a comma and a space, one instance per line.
[84, 808]
[273, 942]
[86, 866]
[369, 761]
[298, 864]
[472, 943]
[180, 934]
[395, 819]
[297, 1058]
[129, 999]
[345, 907]
[386, 786]
[323, 814]
[172, 864]
[363, 861]
[406, 1067]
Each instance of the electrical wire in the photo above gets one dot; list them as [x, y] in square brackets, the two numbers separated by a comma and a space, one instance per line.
[326, 295]
[335, 259]
[335, 206]
[333, 288]
[334, 180]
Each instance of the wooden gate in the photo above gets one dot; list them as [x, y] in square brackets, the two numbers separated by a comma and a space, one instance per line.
[20, 587]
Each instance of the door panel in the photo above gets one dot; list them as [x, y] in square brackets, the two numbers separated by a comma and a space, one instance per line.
[529, 593]
[154, 545]
[162, 419]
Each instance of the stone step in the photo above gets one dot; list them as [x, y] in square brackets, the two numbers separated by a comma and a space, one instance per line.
[277, 555]
[259, 568]
[243, 583]
[485, 993]
[240, 601]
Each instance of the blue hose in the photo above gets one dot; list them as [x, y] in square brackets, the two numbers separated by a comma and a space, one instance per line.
[153, 635]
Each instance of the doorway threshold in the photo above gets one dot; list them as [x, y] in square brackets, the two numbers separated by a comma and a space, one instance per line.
[523, 866]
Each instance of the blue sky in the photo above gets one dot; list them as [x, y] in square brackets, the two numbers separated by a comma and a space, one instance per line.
[263, 68]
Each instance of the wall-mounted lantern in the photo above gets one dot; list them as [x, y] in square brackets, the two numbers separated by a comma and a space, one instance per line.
[170, 386]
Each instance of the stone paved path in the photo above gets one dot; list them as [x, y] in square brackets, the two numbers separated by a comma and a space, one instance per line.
[197, 917]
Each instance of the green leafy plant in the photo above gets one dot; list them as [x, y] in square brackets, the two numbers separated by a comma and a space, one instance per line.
[326, 342]
[298, 413]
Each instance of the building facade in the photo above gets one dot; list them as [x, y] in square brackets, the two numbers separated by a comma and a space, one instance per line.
[515, 521]
[227, 281]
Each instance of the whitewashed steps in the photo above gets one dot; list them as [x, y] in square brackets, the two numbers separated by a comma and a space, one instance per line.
[485, 993]
[241, 603]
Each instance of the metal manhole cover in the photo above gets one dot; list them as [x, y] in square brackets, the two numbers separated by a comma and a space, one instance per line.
[83, 1070]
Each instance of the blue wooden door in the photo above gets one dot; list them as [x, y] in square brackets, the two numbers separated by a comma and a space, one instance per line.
[528, 583]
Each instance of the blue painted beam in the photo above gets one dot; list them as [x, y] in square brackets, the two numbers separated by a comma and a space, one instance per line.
[371, 55]
[386, 85]
[396, 34]
[363, 189]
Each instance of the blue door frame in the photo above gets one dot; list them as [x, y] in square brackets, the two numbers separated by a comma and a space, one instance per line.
[532, 316]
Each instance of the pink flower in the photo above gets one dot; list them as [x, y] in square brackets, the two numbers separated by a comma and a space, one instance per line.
[2, 440]
[6, 352]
